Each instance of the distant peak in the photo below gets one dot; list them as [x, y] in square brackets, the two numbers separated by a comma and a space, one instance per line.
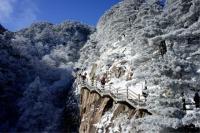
[41, 24]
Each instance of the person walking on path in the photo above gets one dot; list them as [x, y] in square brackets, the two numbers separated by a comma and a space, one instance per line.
[144, 93]
[84, 77]
[162, 48]
[103, 81]
[196, 99]
[183, 101]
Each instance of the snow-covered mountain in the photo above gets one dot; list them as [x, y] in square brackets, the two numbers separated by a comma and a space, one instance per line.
[36, 66]
[126, 48]
[36, 79]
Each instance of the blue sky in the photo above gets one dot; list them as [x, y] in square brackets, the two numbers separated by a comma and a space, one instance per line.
[17, 14]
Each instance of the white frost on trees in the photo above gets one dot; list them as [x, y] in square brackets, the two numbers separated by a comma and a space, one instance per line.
[145, 24]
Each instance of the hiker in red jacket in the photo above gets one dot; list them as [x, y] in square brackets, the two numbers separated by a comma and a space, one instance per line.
[103, 81]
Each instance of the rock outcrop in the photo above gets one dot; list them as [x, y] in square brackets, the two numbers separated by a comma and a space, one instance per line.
[94, 107]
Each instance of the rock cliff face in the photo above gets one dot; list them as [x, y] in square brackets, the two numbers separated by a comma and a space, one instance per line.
[94, 112]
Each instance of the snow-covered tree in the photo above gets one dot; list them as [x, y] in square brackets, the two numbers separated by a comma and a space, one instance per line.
[131, 32]
[35, 75]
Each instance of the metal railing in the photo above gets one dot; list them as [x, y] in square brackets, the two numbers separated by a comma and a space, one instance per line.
[121, 94]
[189, 106]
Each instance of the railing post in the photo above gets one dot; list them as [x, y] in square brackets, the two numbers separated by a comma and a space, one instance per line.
[96, 83]
[127, 92]
[92, 83]
[117, 92]
[138, 99]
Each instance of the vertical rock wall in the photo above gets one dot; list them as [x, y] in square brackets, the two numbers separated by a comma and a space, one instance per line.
[101, 113]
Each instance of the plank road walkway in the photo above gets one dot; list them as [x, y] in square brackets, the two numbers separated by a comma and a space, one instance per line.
[118, 95]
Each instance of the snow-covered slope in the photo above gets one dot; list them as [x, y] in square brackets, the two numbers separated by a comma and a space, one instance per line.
[36, 77]
[127, 42]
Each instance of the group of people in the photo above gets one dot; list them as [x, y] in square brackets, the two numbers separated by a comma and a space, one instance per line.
[83, 77]
[103, 81]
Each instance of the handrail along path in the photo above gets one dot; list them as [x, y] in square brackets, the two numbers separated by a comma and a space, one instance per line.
[119, 95]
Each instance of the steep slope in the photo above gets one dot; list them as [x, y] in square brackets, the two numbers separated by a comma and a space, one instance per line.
[36, 77]
[127, 49]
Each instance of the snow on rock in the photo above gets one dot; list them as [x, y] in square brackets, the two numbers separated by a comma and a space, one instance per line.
[198, 71]
[102, 114]
[192, 118]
